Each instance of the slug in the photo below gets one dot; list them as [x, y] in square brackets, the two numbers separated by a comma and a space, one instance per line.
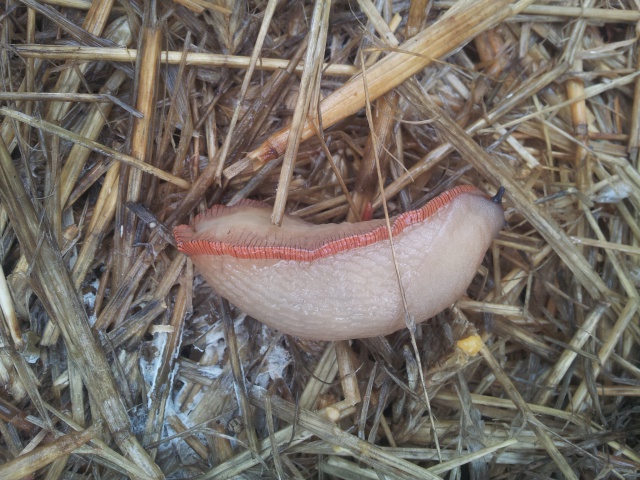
[338, 281]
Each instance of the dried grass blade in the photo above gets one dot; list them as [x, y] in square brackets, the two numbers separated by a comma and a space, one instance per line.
[628, 314]
[196, 59]
[533, 422]
[568, 355]
[29, 463]
[324, 374]
[53, 285]
[470, 457]
[248, 459]
[9, 312]
[160, 392]
[101, 449]
[95, 146]
[445, 35]
[71, 78]
[141, 141]
[240, 386]
[79, 34]
[364, 451]
[93, 125]
[309, 90]
[257, 49]
[249, 125]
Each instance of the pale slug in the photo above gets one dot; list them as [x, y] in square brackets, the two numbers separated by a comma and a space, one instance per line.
[337, 281]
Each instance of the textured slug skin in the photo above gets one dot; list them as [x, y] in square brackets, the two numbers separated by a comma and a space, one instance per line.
[337, 281]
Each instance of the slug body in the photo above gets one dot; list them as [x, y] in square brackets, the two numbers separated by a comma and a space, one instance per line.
[338, 281]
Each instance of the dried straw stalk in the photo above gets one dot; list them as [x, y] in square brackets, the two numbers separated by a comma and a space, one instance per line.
[119, 117]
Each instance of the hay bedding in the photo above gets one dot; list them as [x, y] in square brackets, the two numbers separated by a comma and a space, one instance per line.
[118, 361]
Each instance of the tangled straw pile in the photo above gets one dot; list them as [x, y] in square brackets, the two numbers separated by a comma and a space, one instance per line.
[122, 119]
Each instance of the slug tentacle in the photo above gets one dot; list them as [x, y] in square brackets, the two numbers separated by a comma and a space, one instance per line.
[337, 281]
